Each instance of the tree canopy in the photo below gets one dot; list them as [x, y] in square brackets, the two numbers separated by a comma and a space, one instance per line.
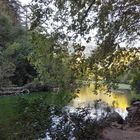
[116, 23]
[52, 43]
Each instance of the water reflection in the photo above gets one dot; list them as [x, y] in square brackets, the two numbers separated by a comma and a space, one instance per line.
[86, 97]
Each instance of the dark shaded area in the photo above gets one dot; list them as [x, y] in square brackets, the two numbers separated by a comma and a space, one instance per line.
[23, 74]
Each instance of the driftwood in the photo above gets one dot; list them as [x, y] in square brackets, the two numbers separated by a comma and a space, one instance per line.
[26, 89]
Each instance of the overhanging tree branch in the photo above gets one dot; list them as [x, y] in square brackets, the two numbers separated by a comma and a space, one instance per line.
[87, 11]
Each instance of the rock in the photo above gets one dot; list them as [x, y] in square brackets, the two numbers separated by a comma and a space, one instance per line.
[131, 109]
[133, 118]
[134, 102]
[137, 103]
[115, 117]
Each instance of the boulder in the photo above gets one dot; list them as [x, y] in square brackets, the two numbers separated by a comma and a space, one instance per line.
[115, 117]
[133, 117]
[135, 102]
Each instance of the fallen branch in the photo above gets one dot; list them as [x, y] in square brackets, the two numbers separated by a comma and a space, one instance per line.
[28, 88]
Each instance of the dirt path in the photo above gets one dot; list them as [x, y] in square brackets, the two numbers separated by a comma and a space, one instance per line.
[119, 134]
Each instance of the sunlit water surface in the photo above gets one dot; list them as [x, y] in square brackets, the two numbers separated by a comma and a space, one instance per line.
[118, 101]
[87, 98]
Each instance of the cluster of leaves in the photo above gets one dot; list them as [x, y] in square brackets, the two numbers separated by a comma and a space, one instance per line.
[119, 21]
[117, 63]
[115, 20]
[78, 61]
[53, 62]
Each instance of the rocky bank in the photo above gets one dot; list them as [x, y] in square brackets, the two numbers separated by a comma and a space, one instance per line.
[129, 129]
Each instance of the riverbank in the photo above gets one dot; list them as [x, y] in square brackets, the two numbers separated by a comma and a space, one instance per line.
[130, 130]
[119, 134]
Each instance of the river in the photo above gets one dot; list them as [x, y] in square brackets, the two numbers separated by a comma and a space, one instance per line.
[86, 99]
[118, 101]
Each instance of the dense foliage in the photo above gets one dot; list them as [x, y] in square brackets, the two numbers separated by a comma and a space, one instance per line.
[51, 60]
[14, 48]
